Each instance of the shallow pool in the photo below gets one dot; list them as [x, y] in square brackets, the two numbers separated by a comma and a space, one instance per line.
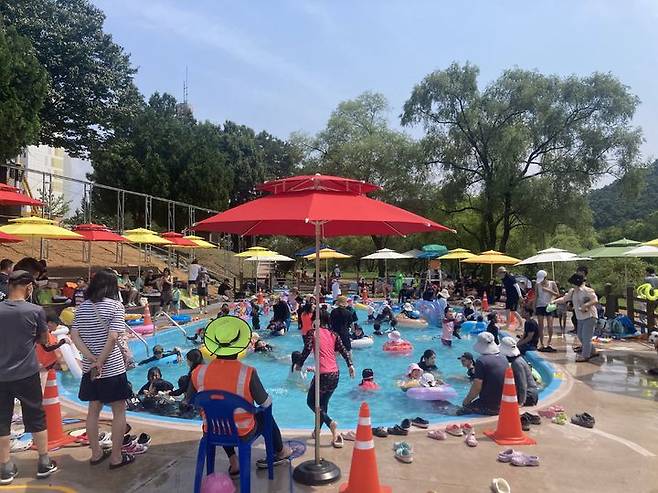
[388, 405]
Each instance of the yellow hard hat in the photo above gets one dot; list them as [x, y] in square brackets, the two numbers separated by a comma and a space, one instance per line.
[67, 316]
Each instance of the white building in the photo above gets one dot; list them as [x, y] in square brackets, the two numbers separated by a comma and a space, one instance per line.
[57, 162]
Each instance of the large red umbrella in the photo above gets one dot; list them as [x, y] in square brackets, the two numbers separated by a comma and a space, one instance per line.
[320, 206]
[178, 240]
[96, 232]
[13, 196]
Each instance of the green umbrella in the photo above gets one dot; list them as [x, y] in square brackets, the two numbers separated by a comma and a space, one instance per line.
[615, 249]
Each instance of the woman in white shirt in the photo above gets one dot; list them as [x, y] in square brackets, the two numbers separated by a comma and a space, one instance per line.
[584, 302]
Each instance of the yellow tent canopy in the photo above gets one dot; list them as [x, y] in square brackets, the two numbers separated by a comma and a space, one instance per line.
[145, 236]
[201, 243]
[251, 251]
[328, 253]
[492, 257]
[457, 254]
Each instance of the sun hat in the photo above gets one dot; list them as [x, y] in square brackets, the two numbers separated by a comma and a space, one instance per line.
[541, 275]
[407, 307]
[467, 301]
[508, 347]
[501, 270]
[467, 355]
[227, 336]
[341, 300]
[394, 335]
[444, 293]
[412, 367]
[485, 344]
[427, 380]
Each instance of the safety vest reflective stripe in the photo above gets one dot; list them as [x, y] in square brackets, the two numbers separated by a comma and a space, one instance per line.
[200, 380]
[240, 384]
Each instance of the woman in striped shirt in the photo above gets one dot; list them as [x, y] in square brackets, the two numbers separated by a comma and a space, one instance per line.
[98, 325]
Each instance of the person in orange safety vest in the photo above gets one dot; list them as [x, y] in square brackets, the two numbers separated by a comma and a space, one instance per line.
[226, 337]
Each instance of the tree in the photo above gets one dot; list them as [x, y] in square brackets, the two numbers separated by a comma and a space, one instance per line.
[55, 205]
[358, 143]
[492, 146]
[23, 86]
[91, 76]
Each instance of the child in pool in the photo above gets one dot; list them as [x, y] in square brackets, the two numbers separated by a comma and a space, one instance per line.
[306, 318]
[427, 361]
[427, 380]
[255, 315]
[378, 329]
[260, 346]
[368, 380]
[414, 372]
[224, 310]
[469, 312]
[357, 332]
[492, 327]
[197, 338]
[155, 383]
[408, 311]
[448, 327]
[371, 312]
[296, 377]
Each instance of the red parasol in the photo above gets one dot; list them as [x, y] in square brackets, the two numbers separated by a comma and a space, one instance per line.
[96, 232]
[5, 238]
[13, 196]
[178, 240]
[320, 206]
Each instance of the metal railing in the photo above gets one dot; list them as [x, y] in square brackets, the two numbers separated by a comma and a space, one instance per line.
[168, 317]
[133, 332]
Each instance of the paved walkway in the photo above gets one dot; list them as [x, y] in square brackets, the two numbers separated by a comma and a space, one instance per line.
[620, 454]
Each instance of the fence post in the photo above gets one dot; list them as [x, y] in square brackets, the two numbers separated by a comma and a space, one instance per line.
[630, 296]
[610, 301]
[651, 316]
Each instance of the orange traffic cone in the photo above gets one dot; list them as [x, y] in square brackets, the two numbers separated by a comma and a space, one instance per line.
[508, 431]
[147, 315]
[364, 477]
[56, 436]
[485, 303]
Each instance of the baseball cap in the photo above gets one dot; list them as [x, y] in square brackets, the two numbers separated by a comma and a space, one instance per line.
[20, 278]
[541, 275]
[467, 355]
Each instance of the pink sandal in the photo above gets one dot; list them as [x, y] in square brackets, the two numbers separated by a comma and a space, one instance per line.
[471, 441]
[437, 434]
[466, 427]
[454, 430]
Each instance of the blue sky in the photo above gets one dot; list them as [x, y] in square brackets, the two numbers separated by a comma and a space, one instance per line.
[284, 65]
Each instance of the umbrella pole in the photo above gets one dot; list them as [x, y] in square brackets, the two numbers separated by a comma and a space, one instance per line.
[317, 471]
[553, 268]
[89, 261]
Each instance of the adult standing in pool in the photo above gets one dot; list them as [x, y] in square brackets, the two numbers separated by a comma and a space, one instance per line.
[341, 320]
[192, 274]
[330, 344]
[546, 291]
[97, 329]
[512, 295]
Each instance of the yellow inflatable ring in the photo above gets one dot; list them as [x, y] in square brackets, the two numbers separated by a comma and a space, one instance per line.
[647, 292]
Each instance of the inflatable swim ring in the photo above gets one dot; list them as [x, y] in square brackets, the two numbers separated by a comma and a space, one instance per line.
[646, 291]
[438, 393]
[429, 310]
[417, 323]
[70, 353]
[134, 322]
[181, 319]
[144, 329]
[364, 342]
[398, 347]
[477, 328]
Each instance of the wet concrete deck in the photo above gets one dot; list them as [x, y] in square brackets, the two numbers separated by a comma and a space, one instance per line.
[619, 454]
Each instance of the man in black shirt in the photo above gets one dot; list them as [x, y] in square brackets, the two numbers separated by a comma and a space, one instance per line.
[6, 267]
[512, 295]
[530, 334]
[341, 320]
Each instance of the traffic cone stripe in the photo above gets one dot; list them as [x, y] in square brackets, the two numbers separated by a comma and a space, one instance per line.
[51, 401]
[364, 445]
[509, 381]
[509, 398]
[365, 421]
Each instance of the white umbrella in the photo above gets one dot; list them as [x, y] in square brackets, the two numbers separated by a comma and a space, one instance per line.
[269, 258]
[552, 255]
[386, 254]
[413, 253]
[643, 251]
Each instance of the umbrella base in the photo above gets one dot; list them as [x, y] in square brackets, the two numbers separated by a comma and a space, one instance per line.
[312, 474]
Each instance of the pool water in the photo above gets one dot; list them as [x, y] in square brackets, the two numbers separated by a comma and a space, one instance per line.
[388, 405]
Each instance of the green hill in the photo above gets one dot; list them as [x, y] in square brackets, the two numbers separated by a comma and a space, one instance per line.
[615, 204]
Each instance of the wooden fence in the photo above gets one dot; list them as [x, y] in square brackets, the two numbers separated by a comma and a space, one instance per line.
[642, 312]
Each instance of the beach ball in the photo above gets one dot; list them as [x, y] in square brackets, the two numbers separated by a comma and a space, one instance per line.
[217, 483]
[67, 316]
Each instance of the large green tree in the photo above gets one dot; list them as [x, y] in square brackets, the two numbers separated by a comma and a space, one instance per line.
[91, 76]
[23, 86]
[525, 137]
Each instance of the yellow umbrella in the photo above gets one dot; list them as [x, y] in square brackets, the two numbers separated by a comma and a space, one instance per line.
[145, 236]
[492, 257]
[651, 243]
[458, 254]
[37, 227]
[326, 254]
[201, 243]
[250, 252]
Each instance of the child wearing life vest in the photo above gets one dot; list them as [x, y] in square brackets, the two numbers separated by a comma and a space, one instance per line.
[368, 380]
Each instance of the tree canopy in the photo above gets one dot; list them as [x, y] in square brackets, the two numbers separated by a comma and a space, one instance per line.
[525, 137]
[91, 78]
[23, 86]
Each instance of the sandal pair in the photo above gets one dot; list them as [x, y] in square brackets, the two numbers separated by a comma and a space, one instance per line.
[403, 452]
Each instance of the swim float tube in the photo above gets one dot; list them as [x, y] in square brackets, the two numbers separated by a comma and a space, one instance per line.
[181, 319]
[417, 323]
[147, 329]
[438, 393]
[400, 346]
[364, 342]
